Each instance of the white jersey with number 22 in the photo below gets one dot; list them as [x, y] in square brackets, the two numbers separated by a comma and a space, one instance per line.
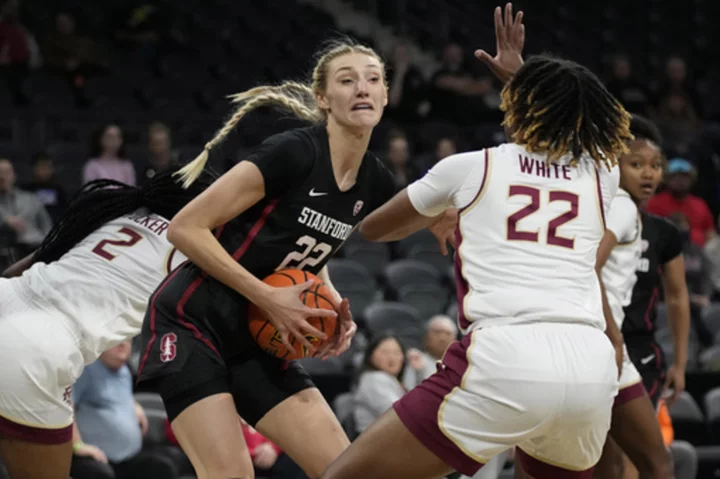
[527, 235]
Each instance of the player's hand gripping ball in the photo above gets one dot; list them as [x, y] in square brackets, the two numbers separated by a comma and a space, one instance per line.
[317, 296]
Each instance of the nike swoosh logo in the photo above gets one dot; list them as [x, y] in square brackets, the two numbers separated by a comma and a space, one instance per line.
[315, 193]
[647, 359]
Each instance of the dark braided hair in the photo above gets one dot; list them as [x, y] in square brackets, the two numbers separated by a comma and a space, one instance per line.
[644, 129]
[558, 107]
[101, 201]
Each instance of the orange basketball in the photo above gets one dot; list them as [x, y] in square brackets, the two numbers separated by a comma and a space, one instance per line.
[317, 296]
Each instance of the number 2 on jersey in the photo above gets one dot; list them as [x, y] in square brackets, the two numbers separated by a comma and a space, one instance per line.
[133, 238]
[312, 254]
[553, 238]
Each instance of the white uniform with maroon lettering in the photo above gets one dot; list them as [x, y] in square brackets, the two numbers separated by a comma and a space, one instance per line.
[618, 274]
[536, 369]
[58, 317]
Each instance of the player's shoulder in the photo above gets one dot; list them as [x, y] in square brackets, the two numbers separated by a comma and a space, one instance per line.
[658, 223]
[298, 141]
[624, 200]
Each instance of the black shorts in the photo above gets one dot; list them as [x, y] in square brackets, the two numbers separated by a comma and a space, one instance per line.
[197, 344]
[649, 360]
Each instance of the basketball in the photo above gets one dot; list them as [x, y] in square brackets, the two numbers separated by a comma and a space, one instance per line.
[317, 296]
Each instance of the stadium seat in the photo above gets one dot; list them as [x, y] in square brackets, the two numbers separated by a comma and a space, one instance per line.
[662, 317]
[452, 311]
[354, 282]
[688, 420]
[708, 461]
[430, 254]
[709, 359]
[373, 256]
[711, 316]
[150, 401]
[407, 272]
[428, 299]
[401, 319]
[422, 237]
[156, 427]
[712, 412]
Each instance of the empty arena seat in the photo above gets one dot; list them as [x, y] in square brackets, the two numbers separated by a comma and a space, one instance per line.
[709, 359]
[156, 427]
[452, 311]
[407, 272]
[422, 237]
[401, 319]
[428, 299]
[150, 401]
[353, 282]
[430, 254]
[712, 412]
[688, 421]
[711, 317]
[661, 321]
[373, 256]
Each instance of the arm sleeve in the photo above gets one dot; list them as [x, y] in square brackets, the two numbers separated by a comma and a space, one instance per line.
[283, 160]
[622, 218]
[672, 245]
[437, 190]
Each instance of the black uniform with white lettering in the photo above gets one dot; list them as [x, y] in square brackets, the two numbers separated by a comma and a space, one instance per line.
[661, 243]
[195, 335]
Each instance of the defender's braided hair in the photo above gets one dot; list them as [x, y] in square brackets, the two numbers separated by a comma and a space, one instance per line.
[560, 108]
[101, 201]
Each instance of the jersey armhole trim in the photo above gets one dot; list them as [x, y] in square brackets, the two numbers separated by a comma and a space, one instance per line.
[600, 202]
[481, 190]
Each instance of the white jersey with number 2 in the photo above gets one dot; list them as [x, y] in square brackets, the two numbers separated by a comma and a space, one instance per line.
[527, 236]
[101, 287]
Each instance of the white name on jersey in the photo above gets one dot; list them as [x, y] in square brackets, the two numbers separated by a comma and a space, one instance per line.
[324, 224]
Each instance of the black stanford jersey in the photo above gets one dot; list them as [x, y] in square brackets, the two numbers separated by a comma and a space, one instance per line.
[661, 243]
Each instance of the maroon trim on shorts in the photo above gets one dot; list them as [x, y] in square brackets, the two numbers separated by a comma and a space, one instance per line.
[537, 468]
[418, 410]
[462, 284]
[180, 309]
[38, 435]
[629, 393]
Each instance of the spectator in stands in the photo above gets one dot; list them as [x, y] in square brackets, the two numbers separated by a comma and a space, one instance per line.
[108, 157]
[712, 252]
[74, 55]
[406, 100]
[160, 153]
[677, 121]
[457, 93]
[379, 383]
[399, 157]
[629, 90]
[679, 178]
[43, 184]
[24, 222]
[697, 276]
[677, 80]
[14, 51]
[110, 424]
[440, 332]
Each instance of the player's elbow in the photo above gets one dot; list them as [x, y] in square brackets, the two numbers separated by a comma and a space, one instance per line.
[177, 232]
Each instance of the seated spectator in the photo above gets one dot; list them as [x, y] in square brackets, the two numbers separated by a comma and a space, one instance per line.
[678, 122]
[378, 385]
[697, 277]
[440, 332]
[24, 222]
[160, 153]
[406, 99]
[269, 460]
[712, 253]
[399, 158]
[625, 87]
[15, 51]
[108, 158]
[74, 55]
[43, 184]
[679, 178]
[110, 424]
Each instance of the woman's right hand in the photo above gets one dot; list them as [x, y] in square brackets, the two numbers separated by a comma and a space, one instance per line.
[510, 41]
[284, 309]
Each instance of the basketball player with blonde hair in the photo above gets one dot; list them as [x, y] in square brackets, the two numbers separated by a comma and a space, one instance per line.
[535, 369]
[290, 204]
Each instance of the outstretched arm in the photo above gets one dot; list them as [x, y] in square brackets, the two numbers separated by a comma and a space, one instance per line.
[509, 43]
[608, 242]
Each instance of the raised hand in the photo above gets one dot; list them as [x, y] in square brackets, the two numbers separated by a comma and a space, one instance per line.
[509, 43]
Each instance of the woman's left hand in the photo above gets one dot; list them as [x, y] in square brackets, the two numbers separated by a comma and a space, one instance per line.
[346, 329]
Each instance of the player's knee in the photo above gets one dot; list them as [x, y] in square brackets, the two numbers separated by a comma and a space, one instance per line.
[225, 469]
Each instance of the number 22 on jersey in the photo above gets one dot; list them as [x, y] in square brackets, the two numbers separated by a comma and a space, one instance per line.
[312, 254]
[553, 237]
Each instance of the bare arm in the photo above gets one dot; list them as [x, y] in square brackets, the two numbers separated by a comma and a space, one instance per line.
[395, 220]
[608, 242]
[19, 267]
[678, 304]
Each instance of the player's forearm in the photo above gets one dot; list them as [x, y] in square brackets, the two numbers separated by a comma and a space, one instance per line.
[678, 305]
[203, 249]
[19, 267]
[611, 329]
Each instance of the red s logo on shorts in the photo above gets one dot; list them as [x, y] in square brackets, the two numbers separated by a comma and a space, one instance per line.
[168, 350]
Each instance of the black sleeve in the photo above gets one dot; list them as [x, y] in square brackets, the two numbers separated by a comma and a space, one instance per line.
[386, 186]
[671, 245]
[284, 160]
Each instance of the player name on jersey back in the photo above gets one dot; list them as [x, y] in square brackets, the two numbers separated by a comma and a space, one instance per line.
[536, 167]
[154, 223]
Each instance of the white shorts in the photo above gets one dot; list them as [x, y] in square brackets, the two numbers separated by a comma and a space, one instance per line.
[39, 362]
[631, 385]
[547, 388]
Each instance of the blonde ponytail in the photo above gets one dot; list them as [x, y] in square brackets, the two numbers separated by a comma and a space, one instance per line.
[291, 96]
